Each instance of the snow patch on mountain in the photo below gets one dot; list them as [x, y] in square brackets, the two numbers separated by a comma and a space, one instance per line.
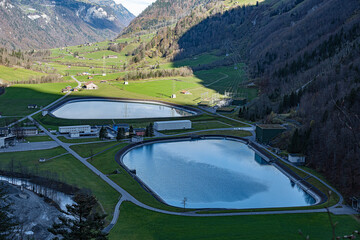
[33, 17]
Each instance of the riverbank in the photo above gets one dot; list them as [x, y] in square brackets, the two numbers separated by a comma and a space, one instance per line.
[35, 213]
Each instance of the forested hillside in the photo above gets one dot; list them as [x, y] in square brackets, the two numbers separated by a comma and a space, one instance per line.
[304, 57]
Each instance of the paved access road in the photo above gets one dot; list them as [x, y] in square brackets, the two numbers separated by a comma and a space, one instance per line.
[21, 147]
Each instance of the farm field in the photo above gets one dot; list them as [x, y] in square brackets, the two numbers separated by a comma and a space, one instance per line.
[10, 74]
[21, 95]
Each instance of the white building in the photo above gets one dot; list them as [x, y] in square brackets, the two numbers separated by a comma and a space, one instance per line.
[75, 129]
[74, 135]
[296, 158]
[91, 86]
[172, 125]
[2, 142]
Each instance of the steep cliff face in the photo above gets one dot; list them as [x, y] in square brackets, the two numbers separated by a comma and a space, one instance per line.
[162, 13]
[120, 12]
[29, 24]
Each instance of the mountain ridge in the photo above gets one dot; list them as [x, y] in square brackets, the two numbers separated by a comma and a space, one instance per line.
[162, 13]
[43, 24]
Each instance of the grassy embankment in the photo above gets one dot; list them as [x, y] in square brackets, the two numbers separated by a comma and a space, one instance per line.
[79, 140]
[138, 223]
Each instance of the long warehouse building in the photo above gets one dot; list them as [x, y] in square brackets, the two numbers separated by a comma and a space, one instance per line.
[172, 125]
[75, 129]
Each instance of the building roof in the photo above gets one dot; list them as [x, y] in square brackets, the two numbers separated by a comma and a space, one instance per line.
[29, 128]
[75, 126]
[270, 126]
[88, 83]
[121, 125]
[296, 155]
[177, 121]
[139, 129]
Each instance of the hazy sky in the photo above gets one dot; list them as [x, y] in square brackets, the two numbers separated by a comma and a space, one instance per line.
[135, 6]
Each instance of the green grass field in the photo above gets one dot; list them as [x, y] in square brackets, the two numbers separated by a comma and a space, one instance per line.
[9, 74]
[88, 150]
[78, 140]
[137, 223]
[38, 139]
[16, 98]
[67, 168]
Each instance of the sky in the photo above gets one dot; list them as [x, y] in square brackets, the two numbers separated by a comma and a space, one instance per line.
[135, 6]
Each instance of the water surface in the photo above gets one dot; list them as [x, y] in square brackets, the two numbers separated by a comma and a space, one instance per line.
[104, 109]
[213, 174]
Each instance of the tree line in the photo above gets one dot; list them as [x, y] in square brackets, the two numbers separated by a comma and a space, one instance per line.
[159, 73]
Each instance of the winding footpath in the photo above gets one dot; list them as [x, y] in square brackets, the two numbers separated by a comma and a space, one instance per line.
[125, 196]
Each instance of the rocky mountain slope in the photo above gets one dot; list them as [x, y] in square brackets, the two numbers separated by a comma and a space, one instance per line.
[30, 24]
[162, 13]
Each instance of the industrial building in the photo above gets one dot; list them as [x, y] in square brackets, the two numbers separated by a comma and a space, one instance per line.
[172, 125]
[297, 159]
[25, 131]
[4, 131]
[7, 141]
[239, 101]
[86, 129]
[266, 132]
[125, 126]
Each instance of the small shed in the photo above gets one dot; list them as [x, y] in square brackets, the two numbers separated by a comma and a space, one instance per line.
[74, 134]
[140, 131]
[32, 106]
[136, 139]
[266, 132]
[239, 101]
